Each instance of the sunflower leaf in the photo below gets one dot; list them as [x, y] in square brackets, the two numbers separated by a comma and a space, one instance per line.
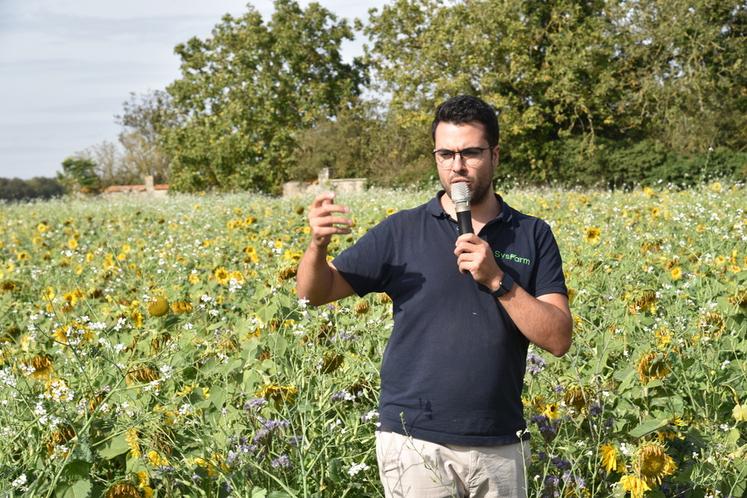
[648, 426]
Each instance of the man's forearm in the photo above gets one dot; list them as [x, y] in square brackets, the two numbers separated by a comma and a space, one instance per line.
[543, 323]
[314, 276]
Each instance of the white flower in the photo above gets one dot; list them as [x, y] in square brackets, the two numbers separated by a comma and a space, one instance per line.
[19, 481]
[357, 467]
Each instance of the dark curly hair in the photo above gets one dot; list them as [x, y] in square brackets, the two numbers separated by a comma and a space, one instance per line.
[467, 109]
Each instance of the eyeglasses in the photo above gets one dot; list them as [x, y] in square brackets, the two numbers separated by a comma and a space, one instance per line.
[471, 156]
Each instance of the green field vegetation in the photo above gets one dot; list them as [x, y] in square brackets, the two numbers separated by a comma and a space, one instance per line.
[158, 349]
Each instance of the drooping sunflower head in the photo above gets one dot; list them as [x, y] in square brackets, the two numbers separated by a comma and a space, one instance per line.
[123, 490]
[577, 397]
[652, 463]
[652, 366]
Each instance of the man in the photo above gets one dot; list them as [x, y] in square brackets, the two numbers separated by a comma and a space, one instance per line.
[465, 309]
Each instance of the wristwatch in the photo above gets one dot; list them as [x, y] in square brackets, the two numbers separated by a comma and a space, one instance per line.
[504, 286]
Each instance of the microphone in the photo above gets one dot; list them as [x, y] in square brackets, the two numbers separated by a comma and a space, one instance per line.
[460, 196]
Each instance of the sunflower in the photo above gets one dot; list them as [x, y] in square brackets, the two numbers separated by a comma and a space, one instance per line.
[611, 459]
[676, 273]
[158, 306]
[278, 393]
[133, 441]
[62, 435]
[361, 307]
[593, 235]
[652, 366]
[42, 365]
[576, 397]
[634, 485]
[551, 411]
[222, 276]
[653, 464]
[123, 490]
[142, 374]
[663, 337]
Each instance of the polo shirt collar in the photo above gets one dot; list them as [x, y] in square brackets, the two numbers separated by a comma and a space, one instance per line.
[434, 207]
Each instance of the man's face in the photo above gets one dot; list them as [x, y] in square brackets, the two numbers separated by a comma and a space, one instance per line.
[479, 176]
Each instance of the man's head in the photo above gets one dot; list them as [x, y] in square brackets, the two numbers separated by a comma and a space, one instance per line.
[467, 109]
[465, 137]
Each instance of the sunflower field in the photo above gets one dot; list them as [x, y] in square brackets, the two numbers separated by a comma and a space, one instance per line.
[156, 348]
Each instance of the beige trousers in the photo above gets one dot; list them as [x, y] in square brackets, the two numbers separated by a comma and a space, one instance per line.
[414, 468]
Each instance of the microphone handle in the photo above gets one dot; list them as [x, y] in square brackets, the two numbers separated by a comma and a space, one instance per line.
[464, 219]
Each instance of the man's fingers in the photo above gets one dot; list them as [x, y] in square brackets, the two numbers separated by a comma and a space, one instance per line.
[328, 209]
[322, 198]
[331, 220]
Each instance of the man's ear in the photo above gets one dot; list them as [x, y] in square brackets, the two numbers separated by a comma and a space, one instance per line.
[495, 155]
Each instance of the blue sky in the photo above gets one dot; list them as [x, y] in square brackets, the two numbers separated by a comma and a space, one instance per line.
[66, 67]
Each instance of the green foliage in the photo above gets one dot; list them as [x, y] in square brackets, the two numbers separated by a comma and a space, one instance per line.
[624, 164]
[79, 175]
[16, 189]
[247, 91]
[604, 76]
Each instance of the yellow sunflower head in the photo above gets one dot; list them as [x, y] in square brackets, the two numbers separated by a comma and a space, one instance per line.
[652, 463]
[593, 235]
[611, 458]
[222, 276]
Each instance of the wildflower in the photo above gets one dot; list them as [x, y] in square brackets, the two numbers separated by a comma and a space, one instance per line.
[19, 481]
[634, 485]
[535, 363]
[357, 467]
[281, 462]
[255, 404]
[653, 464]
[593, 235]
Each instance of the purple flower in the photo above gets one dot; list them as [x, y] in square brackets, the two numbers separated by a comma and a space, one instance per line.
[255, 404]
[281, 462]
[261, 433]
[561, 463]
[535, 364]
[295, 440]
[595, 409]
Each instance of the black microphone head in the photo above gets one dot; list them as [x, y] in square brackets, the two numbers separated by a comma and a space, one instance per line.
[460, 193]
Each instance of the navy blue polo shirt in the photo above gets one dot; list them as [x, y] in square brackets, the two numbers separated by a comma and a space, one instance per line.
[453, 369]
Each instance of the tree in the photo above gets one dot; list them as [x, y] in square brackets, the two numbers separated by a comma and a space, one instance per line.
[145, 119]
[569, 75]
[79, 175]
[246, 93]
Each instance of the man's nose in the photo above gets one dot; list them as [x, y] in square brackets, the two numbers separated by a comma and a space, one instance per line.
[458, 163]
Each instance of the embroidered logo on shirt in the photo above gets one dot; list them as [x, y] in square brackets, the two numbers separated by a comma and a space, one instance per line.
[509, 256]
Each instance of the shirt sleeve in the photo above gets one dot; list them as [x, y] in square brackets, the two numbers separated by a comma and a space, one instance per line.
[365, 264]
[548, 273]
